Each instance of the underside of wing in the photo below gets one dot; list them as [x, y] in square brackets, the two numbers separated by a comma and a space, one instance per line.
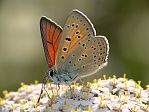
[77, 28]
[50, 33]
[89, 56]
[81, 51]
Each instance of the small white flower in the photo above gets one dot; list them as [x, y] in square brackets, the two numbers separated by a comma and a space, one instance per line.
[116, 94]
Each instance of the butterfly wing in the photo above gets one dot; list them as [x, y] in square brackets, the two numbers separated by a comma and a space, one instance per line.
[50, 33]
[80, 51]
[90, 56]
[76, 28]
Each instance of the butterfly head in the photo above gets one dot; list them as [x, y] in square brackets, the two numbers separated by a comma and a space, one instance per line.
[61, 76]
[51, 73]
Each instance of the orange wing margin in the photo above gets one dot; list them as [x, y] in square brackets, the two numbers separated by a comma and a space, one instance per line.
[50, 34]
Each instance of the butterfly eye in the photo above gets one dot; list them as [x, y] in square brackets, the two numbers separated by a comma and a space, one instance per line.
[51, 73]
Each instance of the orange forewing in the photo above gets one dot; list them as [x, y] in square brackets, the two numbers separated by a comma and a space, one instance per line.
[50, 33]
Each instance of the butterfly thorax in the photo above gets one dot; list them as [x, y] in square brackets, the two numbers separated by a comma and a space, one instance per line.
[61, 76]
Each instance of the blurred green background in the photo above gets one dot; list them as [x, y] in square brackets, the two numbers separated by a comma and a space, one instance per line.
[124, 22]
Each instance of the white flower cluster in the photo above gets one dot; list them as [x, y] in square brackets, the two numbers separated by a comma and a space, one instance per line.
[107, 95]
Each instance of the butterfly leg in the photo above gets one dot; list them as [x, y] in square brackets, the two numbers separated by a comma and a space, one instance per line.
[51, 89]
[46, 90]
[58, 87]
[71, 91]
[70, 87]
[43, 87]
[80, 81]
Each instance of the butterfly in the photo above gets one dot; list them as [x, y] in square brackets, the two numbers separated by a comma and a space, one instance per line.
[75, 51]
